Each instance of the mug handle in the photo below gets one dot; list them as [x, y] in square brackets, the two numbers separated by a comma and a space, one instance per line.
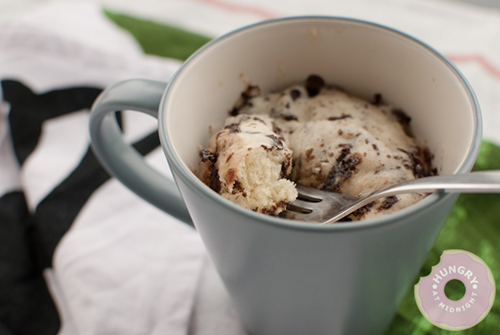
[119, 158]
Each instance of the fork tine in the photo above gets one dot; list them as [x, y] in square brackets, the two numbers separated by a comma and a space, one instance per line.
[313, 205]
[300, 203]
[313, 194]
[308, 198]
[294, 207]
[292, 215]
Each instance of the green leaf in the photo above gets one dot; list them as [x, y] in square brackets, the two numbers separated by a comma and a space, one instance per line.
[159, 39]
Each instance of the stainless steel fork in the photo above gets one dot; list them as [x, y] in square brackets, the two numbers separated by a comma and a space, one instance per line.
[325, 207]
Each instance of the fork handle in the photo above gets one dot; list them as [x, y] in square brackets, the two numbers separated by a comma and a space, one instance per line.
[473, 182]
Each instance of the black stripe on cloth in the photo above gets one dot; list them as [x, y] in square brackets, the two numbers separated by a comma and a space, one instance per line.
[29, 110]
[27, 242]
[55, 214]
[25, 303]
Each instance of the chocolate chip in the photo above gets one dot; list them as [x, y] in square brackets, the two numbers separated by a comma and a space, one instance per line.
[335, 118]
[295, 94]
[421, 161]
[377, 99]
[346, 150]
[238, 188]
[277, 142]
[206, 155]
[388, 202]
[235, 111]
[289, 117]
[286, 166]
[314, 84]
[352, 161]
[428, 157]
[309, 155]
[401, 116]
[259, 119]
[404, 120]
[346, 167]
[209, 159]
[277, 129]
[214, 180]
[250, 92]
[230, 175]
[363, 210]
[233, 128]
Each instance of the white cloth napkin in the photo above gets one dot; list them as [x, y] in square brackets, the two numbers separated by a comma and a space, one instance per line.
[125, 267]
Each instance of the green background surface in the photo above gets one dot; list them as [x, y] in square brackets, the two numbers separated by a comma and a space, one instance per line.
[472, 225]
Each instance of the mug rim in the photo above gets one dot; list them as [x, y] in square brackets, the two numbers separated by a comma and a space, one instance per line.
[176, 163]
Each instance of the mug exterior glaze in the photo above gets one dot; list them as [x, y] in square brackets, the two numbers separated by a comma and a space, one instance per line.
[288, 277]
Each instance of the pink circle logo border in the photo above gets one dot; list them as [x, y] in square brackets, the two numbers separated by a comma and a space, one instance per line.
[473, 307]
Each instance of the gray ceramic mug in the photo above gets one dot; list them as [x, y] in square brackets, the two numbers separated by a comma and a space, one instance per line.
[287, 277]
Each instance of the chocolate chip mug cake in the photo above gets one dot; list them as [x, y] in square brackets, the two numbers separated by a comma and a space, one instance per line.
[315, 135]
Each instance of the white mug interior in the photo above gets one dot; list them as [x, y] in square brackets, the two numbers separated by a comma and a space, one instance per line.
[362, 58]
